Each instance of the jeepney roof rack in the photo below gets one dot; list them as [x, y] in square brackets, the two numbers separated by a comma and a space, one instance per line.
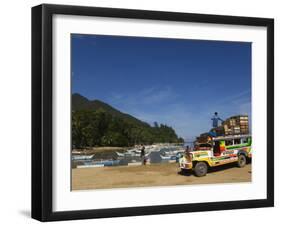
[230, 137]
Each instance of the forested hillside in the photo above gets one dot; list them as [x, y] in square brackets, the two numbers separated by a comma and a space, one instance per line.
[95, 123]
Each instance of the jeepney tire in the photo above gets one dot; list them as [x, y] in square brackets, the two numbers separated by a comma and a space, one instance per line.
[249, 160]
[242, 161]
[184, 172]
[200, 169]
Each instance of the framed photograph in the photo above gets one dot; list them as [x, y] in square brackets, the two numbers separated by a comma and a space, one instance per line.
[145, 112]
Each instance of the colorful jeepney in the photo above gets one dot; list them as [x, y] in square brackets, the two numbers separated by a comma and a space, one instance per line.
[217, 151]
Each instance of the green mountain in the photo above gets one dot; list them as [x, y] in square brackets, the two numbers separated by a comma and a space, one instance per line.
[82, 103]
[95, 123]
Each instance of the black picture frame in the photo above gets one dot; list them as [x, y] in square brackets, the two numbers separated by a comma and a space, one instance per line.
[42, 111]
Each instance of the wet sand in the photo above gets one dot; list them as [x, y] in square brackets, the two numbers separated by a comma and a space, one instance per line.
[153, 175]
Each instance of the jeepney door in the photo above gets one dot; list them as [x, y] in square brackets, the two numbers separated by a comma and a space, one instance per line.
[216, 148]
[219, 147]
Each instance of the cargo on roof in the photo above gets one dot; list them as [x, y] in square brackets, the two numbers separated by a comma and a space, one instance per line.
[234, 125]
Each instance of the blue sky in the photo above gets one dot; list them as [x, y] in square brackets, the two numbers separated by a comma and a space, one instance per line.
[177, 82]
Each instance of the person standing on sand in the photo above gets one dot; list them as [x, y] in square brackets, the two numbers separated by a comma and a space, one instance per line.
[187, 153]
[142, 155]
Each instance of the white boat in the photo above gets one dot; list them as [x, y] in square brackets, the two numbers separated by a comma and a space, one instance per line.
[90, 166]
[120, 154]
[82, 157]
[165, 157]
[165, 150]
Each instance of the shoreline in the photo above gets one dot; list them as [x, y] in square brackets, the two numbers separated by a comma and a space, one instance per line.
[94, 150]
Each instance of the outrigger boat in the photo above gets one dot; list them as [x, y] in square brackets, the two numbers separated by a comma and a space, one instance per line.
[119, 154]
[82, 157]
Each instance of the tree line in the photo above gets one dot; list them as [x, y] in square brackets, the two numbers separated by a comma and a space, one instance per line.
[100, 128]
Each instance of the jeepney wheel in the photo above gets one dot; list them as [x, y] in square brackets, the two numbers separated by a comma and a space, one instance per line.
[200, 169]
[184, 171]
[241, 161]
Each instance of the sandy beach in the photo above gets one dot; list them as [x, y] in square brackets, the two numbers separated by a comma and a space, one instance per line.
[153, 175]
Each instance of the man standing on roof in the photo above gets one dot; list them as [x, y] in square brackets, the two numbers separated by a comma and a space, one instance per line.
[216, 120]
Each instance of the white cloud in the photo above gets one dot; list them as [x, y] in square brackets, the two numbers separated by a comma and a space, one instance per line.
[186, 123]
[163, 105]
[147, 96]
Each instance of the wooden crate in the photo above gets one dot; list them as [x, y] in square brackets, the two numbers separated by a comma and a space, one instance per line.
[236, 125]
